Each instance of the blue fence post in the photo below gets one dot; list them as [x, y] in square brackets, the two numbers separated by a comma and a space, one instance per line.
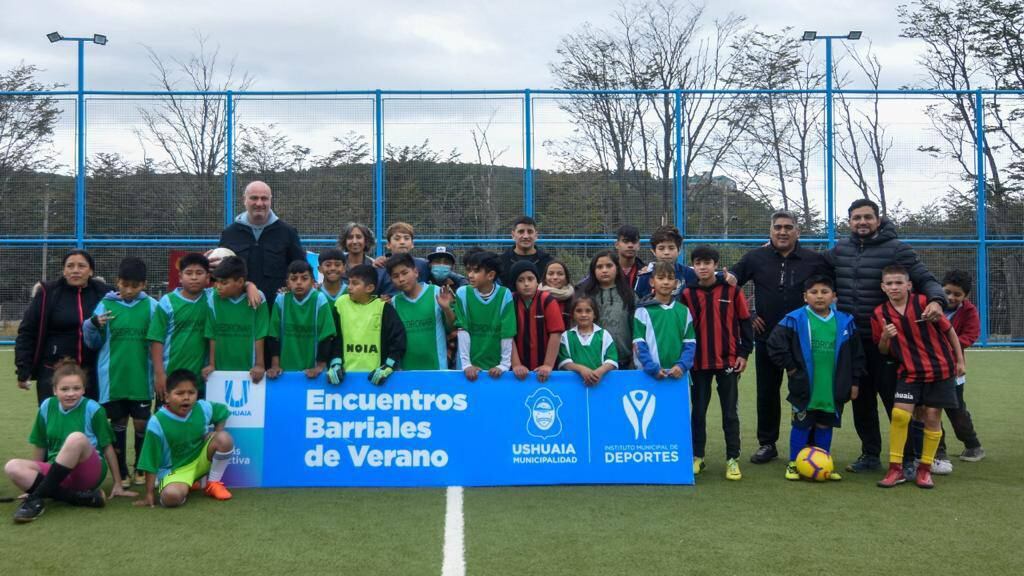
[378, 172]
[229, 157]
[80, 168]
[982, 217]
[830, 183]
[680, 190]
[527, 153]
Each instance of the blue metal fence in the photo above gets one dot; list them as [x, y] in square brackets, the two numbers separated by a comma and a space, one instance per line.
[979, 241]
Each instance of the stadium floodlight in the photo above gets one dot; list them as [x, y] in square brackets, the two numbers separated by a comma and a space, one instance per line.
[809, 36]
[100, 39]
[54, 37]
[854, 35]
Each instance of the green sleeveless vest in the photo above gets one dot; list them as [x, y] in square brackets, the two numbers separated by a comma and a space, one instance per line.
[360, 332]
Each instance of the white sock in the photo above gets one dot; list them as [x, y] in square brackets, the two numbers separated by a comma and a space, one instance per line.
[218, 465]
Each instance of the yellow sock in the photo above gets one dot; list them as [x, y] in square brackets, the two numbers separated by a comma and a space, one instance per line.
[930, 446]
[898, 435]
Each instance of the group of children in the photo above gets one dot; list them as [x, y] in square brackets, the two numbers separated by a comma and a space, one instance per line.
[404, 313]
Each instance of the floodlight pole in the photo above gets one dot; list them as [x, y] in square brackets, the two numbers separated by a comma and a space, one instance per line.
[80, 137]
[830, 181]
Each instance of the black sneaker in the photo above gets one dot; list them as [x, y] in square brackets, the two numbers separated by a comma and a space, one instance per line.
[29, 510]
[765, 453]
[88, 499]
[864, 463]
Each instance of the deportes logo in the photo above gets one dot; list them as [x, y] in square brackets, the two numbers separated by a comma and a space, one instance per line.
[543, 407]
[639, 407]
[236, 397]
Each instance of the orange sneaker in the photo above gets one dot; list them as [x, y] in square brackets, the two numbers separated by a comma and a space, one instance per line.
[217, 491]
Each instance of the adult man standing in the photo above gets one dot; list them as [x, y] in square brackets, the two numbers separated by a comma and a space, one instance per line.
[266, 243]
[524, 234]
[778, 270]
[858, 262]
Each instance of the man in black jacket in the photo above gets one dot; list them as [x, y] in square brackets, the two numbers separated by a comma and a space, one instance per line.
[524, 235]
[779, 271]
[266, 243]
[858, 262]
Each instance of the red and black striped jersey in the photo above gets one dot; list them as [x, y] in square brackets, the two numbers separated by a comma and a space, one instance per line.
[533, 326]
[921, 348]
[721, 320]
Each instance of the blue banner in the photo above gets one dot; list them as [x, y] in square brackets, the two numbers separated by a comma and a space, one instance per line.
[438, 429]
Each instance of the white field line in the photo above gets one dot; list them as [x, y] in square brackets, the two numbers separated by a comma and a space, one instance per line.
[454, 563]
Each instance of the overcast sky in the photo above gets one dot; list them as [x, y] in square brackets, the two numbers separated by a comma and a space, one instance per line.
[441, 44]
[402, 44]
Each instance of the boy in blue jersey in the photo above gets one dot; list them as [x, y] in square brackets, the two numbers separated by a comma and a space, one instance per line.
[821, 352]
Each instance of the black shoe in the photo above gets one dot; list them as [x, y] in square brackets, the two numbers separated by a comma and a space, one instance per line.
[765, 453]
[29, 510]
[88, 499]
[864, 463]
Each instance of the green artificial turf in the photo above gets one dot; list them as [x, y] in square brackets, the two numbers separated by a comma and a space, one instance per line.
[764, 525]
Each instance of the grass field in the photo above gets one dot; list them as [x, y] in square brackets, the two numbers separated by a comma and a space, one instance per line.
[969, 524]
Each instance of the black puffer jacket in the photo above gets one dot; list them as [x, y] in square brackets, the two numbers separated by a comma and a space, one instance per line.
[51, 328]
[857, 264]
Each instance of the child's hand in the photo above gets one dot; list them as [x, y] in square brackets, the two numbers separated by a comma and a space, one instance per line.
[471, 373]
[102, 319]
[740, 366]
[386, 298]
[854, 392]
[159, 384]
[660, 374]
[257, 373]
[145, 502]
[543, 372]
[890, 332]
[313, 372]
[379, 261]
[675, 373]
[117, 491]
[496, 372]
[445, 297]
[589, 377]
[961, 369]
[274, 372]
[207, 370]
[520, 371]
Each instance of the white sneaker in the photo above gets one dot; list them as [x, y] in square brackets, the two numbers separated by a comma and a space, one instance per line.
[942, 467]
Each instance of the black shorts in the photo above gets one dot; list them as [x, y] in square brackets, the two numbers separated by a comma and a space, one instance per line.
[940, 394]
[136, 409]
[815, 418]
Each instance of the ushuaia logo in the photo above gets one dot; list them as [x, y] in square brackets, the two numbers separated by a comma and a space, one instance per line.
[543, 407]
[639, 407]
[236, 397]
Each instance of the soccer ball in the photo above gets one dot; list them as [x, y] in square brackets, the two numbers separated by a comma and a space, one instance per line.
[813, 463]
[218, 254]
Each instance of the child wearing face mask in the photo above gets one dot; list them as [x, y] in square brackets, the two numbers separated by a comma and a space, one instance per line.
[443, 275]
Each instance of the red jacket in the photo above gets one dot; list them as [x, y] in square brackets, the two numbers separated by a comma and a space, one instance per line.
[967, 323]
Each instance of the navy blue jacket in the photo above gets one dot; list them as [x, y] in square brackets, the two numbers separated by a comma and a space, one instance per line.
[789, 347]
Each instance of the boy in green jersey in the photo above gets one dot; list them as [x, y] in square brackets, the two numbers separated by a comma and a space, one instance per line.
[426, 313]
[185, 441]
[69, 435]
[176, 334]
[118, 329]
[332, 274]
[301, 326]
[371, 337]
[486, 318]
[234, 329]
[821, 352]
[664, 341]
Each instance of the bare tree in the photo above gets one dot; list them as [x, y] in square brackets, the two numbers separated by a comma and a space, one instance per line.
[190, 129]
[864, 143]
[804, 112]
[483, 185]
